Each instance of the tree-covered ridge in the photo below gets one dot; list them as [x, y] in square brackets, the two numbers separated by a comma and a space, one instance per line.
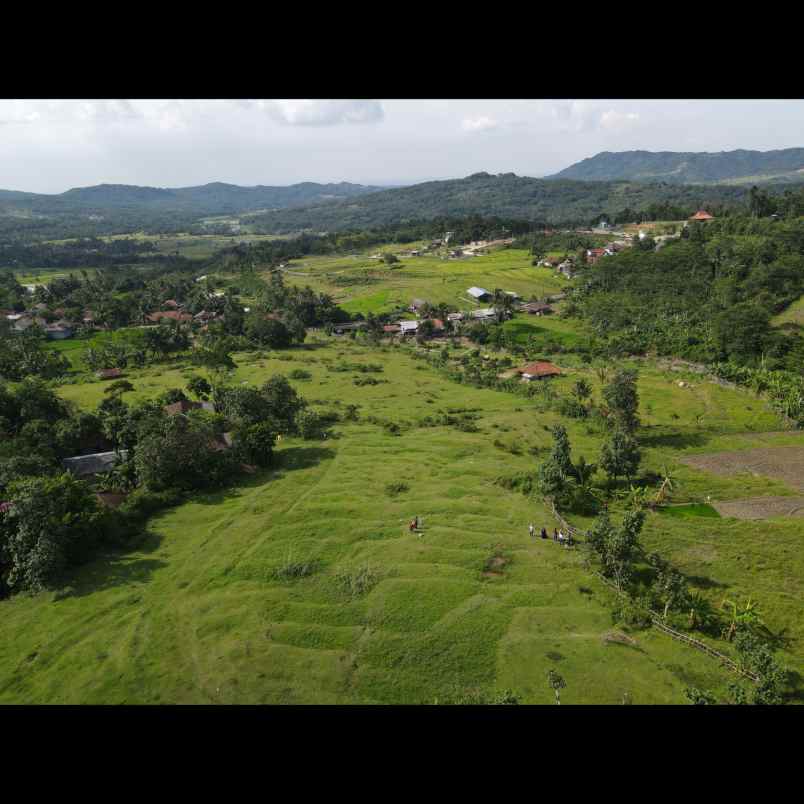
[213, 198]
[690, 168]
[505, 195]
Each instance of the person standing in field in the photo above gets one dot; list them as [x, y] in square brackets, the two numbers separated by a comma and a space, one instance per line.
[531, 530]
[555, 535]
[544, 532]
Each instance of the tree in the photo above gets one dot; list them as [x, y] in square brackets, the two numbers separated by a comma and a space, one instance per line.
[284, 402]
[669, 586]
[582, 390]
[179, 452]
[52, 524]
[199, 387]
[622, 398]
[118, 388]
[557, 684]
[757, 657]
[620, 456]
[390, 259]
[267, 331]
[256, 442]
[699, 697]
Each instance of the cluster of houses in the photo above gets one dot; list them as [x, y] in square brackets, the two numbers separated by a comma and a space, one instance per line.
[411, 326]
[62, 328]
[59, 329]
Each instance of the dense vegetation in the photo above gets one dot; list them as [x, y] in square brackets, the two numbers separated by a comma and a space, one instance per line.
[689, 168]
[708, 296]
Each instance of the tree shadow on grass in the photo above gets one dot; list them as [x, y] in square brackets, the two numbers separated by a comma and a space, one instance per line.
[284, 460]
[108, 572]
[675, 440]
[702, 582]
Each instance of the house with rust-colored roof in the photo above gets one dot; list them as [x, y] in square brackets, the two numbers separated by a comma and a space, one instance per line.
[109, 374]
[539, 370]
[171, 315]
[702, 215]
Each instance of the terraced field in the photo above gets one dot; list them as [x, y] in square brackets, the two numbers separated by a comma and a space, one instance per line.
[207, 609]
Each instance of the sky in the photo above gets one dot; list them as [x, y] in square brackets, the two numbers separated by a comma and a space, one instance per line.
[49, 146]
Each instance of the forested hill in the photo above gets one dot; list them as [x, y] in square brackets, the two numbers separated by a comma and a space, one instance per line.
[726, 167]
[505, 195]
[208, 199]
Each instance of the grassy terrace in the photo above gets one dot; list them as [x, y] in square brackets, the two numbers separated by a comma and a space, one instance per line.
[196, 613]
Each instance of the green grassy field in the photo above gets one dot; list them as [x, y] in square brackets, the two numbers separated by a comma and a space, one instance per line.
[360, 284]
[195, 614]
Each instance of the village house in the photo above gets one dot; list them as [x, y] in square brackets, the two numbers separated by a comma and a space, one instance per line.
[484, 314]
[171, 304]
[391, 329]
[537, 308]
[594, 254]
[169, 315]
[702, 215]
[408, 327]
[185, 406]
[109, 374]
[59, 330]
[342, 329]
[454, 317]
[539, 370]
[567, 269]
[479, 294]
[94, 464]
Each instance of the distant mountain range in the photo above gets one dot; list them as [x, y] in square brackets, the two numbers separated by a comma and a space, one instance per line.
[727, 167]
[208, 199]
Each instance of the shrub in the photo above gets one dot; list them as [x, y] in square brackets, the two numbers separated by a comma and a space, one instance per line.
[290, 570]
[299, 374]
[358, 581]
[394, 489]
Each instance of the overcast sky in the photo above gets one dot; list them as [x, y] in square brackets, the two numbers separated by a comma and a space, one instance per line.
[50, 146]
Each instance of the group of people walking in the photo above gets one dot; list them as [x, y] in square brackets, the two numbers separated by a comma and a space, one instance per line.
[558, 535]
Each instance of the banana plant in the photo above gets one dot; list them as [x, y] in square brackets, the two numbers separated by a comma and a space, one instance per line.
[747, 616]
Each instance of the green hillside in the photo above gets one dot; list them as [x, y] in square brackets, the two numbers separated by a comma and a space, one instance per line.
[727, 167]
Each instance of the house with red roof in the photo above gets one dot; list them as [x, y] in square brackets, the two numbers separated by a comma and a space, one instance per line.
[702, 215]
[539, 370]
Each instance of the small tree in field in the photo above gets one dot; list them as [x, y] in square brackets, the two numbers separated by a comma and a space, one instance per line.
[557, 682]
[620, 456]
[622, 398]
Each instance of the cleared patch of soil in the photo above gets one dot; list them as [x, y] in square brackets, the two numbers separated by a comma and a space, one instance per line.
[761, 507]
[785, 463]
[779, 463]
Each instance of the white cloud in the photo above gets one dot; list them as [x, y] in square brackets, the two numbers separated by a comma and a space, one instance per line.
[323, 112]
[482, 123]
[613, 120]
